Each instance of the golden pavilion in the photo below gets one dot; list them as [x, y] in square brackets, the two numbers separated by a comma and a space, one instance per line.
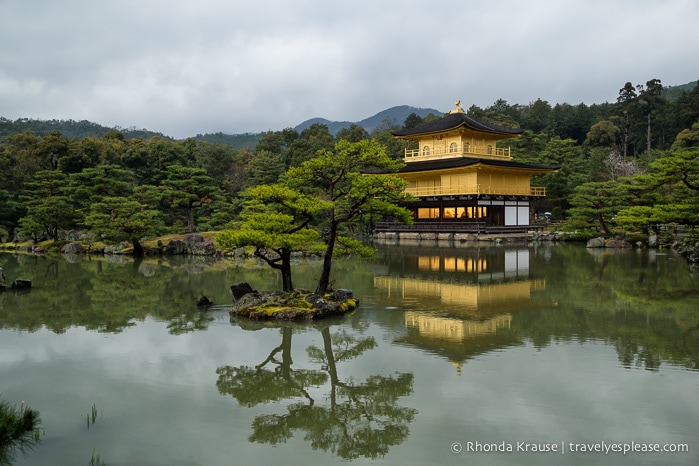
[463, 181]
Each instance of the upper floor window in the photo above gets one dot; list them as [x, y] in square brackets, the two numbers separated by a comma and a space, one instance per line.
[452, 147]
[426, 150]
[467, 147]
[490, 149]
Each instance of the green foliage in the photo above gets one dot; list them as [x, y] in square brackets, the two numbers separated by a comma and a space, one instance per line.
[8, 209]
[413, 120]
[160, 154]
[264, 168]
[275, 222]
[347, 246]
[310, 142]
[277, 142]
[560, 186]
[241, 141]
[354, 133]
[267, 231]
[217, 160]
[71, 129]
[669, 193]
[18, 431]
[680, 167]
[603, 133]
[595, 204]
[537, 117]
[93, 184]
[359, 418]
[190, 189]
[395, 148]
[554, 134]
[337, 177]
[47, 204]
[109, 295]
[123, 219]
[687, 138]
[21, 160]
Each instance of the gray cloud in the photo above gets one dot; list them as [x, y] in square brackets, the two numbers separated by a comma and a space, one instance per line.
[183, 68]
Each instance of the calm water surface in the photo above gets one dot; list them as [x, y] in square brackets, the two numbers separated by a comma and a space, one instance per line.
[453, 349]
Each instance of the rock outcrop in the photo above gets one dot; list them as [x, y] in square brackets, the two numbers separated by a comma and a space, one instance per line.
[295, 305]
[21, 284]
[203, 302]
[612, 243]
[193, 244]
[595, 243]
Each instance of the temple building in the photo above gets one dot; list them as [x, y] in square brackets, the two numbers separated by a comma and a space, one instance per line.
[463, 181]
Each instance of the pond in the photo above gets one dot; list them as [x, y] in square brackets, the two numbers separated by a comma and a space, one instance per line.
[456, 355]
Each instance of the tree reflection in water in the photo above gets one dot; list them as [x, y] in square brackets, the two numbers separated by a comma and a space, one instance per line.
[358, 418]
[190, 321]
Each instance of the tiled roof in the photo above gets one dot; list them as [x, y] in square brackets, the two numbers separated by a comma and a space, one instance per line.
[452, 121]
[456, 162]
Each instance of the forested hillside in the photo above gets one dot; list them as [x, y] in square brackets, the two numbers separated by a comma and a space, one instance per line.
[85, 129]
[626, 166]
[69, 128]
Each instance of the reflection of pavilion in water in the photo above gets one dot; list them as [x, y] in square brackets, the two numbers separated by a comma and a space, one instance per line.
[460, 302]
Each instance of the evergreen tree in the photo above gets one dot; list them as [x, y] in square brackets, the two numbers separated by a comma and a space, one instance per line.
[275, 221]
[190, 189]
[594, 206]
[48, 206]
[668, 193]
[93, 184]
[264, 168]
[124, 219]
[354, 133]
[336, 176]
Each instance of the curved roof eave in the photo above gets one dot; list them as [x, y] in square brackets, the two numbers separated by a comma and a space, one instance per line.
[459, 162]
[452, 122]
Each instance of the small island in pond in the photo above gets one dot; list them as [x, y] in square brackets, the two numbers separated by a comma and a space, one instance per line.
[290, 305]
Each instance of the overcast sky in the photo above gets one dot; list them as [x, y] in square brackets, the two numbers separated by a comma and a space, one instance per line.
[188, 67]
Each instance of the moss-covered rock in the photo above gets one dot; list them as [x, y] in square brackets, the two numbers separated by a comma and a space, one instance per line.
[295, 305]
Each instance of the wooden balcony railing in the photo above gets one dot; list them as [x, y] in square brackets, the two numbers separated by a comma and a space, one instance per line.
[414, 155]
[464, 190]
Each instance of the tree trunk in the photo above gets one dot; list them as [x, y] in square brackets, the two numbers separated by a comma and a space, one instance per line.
[603, 226]
[137, 248]
[287, 333]
[285, 269]
[282, 263]
[190, 219]
[626, 136]
[332, 367]
[324, 280]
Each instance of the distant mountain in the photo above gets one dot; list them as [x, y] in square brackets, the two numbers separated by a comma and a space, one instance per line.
[333, 126]
[395, 115]
[672, 93]
[82, 129]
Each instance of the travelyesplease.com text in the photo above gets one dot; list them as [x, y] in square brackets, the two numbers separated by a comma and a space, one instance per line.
[564, 447]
